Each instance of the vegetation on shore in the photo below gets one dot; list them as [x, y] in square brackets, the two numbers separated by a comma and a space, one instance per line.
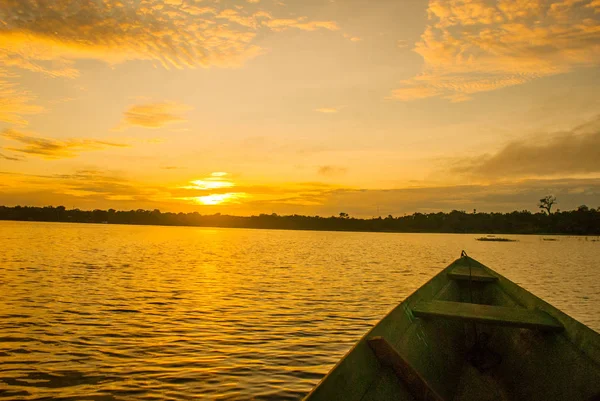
[496, 239]
[582, 221]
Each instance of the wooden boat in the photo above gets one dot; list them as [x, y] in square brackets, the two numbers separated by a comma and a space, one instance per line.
[469, 334]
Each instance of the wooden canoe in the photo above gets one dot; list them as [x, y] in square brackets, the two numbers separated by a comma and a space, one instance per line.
[469, 334]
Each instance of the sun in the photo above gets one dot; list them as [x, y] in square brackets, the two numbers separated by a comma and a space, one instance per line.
[205, 184]
[217, 180]
[217, 199]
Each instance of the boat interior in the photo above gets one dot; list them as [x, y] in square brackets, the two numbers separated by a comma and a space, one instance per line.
[469, 334]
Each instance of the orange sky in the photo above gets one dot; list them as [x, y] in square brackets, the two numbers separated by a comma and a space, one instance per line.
[310, 107]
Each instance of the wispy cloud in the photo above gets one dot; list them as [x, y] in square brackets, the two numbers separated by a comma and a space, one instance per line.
[153, 115]
[47, 37]
[11, 158]
[88, 185]
[53, 148]
[503, 197]
[15, 103]
[302, 23]
[557, 154]
[482, 45]
[100, 189]
[352, 38]
[332, 171]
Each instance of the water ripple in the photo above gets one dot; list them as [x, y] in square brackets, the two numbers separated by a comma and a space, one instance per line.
[187, 313]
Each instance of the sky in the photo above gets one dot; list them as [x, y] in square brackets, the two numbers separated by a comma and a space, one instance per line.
[312, 107]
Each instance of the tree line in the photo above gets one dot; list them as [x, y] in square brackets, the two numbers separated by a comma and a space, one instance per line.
[581, 221]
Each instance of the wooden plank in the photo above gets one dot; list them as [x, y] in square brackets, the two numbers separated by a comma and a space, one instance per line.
[477, 274]
[416, 384]
[498, 315]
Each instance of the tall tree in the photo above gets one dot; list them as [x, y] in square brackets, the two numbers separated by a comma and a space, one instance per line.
[546, 203]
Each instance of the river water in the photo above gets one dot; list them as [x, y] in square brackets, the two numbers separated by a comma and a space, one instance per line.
[111, 312]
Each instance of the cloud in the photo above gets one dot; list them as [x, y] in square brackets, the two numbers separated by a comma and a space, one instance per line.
[12, 158]
[103, 189]
[352, 38]
[15, 103]
[153, 115]
[332, 171]
[414, 92]
[472, 46]
[563, 153]
[500, 197]
[302, 23]
[87, 188]
[48, 148]
[47, 37]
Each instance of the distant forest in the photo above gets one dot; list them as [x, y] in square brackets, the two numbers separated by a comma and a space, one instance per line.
[582, 221]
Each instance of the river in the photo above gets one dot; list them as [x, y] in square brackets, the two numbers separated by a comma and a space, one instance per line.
[114, 312]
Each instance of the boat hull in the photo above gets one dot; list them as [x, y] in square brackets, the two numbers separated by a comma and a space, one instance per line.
[500, 343]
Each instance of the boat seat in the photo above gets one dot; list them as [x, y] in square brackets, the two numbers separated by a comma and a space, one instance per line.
[477, 274]
[416, 384]
[496, 315]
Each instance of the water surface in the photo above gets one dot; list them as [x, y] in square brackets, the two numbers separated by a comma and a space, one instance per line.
[109, 312]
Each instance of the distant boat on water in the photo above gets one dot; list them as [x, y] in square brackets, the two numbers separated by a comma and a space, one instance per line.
[469, 334]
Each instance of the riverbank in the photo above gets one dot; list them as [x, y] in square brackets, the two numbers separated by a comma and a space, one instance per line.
[577, 222]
